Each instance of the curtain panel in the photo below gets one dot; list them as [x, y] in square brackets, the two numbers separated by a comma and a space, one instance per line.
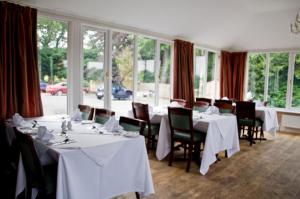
[19, 82]
[233, 67]
[184, 71]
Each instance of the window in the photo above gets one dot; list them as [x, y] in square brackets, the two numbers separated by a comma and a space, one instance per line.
[199, 72]
[296, 83]
[272, 78]
[93, 67]
[278, 74]
[256, 79]
[122, 72]
[164, 74]
[52, 61]
[146, 70]
[206, 74]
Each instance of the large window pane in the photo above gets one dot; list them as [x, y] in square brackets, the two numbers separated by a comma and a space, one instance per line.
[52, 61]
[122, 72]
[146, 70]
[278, 74]
[164, 74]
[296, 84]
[199, 72]
[256, 76]
[93, 67]
[210, 80]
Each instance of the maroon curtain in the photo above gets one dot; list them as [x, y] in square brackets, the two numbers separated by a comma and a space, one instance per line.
[184, 72]
[233, 74]
[19, 82]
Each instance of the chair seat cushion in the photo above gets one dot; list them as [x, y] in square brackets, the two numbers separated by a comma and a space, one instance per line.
[198, 136]
[223, 110]
[249, 122]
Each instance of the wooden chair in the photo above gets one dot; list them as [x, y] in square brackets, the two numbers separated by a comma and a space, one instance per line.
[180, 101]
[200, 106]
[224, 107]
[224, 101]
[141, 111]
[245, 112]
[204, 100]
[181, 125]
[102, 115]
[43, 178]
[130, 124]
[87, 112]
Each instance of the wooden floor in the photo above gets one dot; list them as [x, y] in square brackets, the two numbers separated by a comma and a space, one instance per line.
[270, 169]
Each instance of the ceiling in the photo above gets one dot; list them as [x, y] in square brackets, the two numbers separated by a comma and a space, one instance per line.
[234, 25]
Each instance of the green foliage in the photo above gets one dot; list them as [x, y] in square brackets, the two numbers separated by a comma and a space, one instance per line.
[211, 66]
[146, 76]
[146, 48]
[165, 65]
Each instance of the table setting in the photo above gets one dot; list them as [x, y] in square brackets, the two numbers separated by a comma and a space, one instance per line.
[79, 146]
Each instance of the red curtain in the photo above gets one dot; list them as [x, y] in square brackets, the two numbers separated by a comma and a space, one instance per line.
[233, 74]
[184, 71]
[19, 82]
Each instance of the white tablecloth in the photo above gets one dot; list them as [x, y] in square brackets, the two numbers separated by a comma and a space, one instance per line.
[269, 117]
[222, 134]
[95, 166]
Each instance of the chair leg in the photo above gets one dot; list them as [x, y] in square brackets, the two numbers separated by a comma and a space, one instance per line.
[153, 142]
[250, 134]
[171, 153]
[137, 195]
[190, 152]
[226, 155]
[184, 149]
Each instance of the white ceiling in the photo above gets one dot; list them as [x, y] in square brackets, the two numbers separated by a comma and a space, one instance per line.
[229, 24]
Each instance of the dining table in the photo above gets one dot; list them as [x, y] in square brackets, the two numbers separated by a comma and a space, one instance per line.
[221, 134]
[269, 117]
[94, 163]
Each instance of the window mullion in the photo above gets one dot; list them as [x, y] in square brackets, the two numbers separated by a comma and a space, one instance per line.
[267, 77]
[156, 72]
[290, 83]
[108, 70]
[135, 67]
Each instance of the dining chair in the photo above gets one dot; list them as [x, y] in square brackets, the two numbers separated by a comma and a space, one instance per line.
[41, 177]
[102, 115]
[224, 107]
[245, 112]
[200, 106]
[141, 111]
[224, 101]
[87, 112]
[204, 100]
[181, 126]
[180, 101]
[131, 124]
[9, 154]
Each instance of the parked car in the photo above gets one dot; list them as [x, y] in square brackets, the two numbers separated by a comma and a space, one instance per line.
[43, 86]
[57, 89]
[118, 92]
[61, 88]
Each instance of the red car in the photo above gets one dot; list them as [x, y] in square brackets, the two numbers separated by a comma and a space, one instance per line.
[61, 88]
[57, 89]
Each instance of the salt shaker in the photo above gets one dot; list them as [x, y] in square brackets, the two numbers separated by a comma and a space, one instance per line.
[63, 126]
[69, 125]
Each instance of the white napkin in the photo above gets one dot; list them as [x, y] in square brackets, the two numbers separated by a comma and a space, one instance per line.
[175, 104]
[112, 125]
[212, 110]
[76, 115]
[225, 98]
[18, 120]
[44, 134]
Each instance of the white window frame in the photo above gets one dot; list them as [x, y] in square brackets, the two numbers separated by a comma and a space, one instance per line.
[291, 67]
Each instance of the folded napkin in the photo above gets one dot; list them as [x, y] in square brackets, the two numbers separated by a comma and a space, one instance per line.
[77, 115]
[212, 110]
[225, 98]
[175, 104]
[44, 134]
[112, 125]
[17, 119]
